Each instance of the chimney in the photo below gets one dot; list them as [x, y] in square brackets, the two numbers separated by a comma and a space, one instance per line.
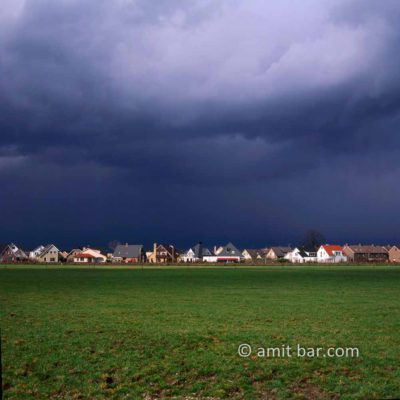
[154, 252]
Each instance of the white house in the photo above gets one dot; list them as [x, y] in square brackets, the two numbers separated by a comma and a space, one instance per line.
[299, 255]
[331, 253]
[49, 254]
[88, 255]
[35, 252]
[195, 253]
[225, 254]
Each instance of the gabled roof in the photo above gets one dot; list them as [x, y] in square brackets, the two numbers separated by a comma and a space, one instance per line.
[281, 251]
[200, 251]
[303, 253]
[230, 250]
[38, 248]
[128, 251]
[93, 250]
[73, 252]
[17, 252]
[330, 248]
[254, 253]
[46, 250]
[172, 250]
[100, 249]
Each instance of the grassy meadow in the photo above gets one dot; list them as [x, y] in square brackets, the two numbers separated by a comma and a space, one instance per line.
[173, 333]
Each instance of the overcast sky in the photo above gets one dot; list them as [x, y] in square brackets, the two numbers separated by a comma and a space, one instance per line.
[181, 120]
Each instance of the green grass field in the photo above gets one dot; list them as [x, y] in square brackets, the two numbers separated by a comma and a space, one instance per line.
[98, 333]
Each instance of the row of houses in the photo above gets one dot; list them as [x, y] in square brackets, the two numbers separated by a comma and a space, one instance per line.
[50, 254]
[328, 253]
[229, 253]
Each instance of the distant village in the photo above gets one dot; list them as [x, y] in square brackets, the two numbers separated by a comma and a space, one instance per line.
[229, 253]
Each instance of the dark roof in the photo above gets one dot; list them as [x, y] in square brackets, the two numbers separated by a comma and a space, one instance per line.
[254, 253]
[128, 251]
[281, 251]
[303, 253]
[200, 251]
[229, 250]
[358, 248]
[171, 249]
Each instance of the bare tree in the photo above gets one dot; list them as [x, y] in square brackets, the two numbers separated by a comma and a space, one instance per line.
[312, 239]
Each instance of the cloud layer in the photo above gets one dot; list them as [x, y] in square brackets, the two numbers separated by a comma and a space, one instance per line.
[181, 120]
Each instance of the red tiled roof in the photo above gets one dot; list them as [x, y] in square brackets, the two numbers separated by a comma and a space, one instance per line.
[330, 248]
[84, 255]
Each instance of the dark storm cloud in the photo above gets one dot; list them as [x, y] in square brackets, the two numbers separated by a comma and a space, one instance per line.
[134, 110]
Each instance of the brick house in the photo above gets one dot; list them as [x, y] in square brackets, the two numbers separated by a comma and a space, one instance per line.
[366, 253]
[12, 253]
[163, 253]
[394, 254]
[129, 253]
